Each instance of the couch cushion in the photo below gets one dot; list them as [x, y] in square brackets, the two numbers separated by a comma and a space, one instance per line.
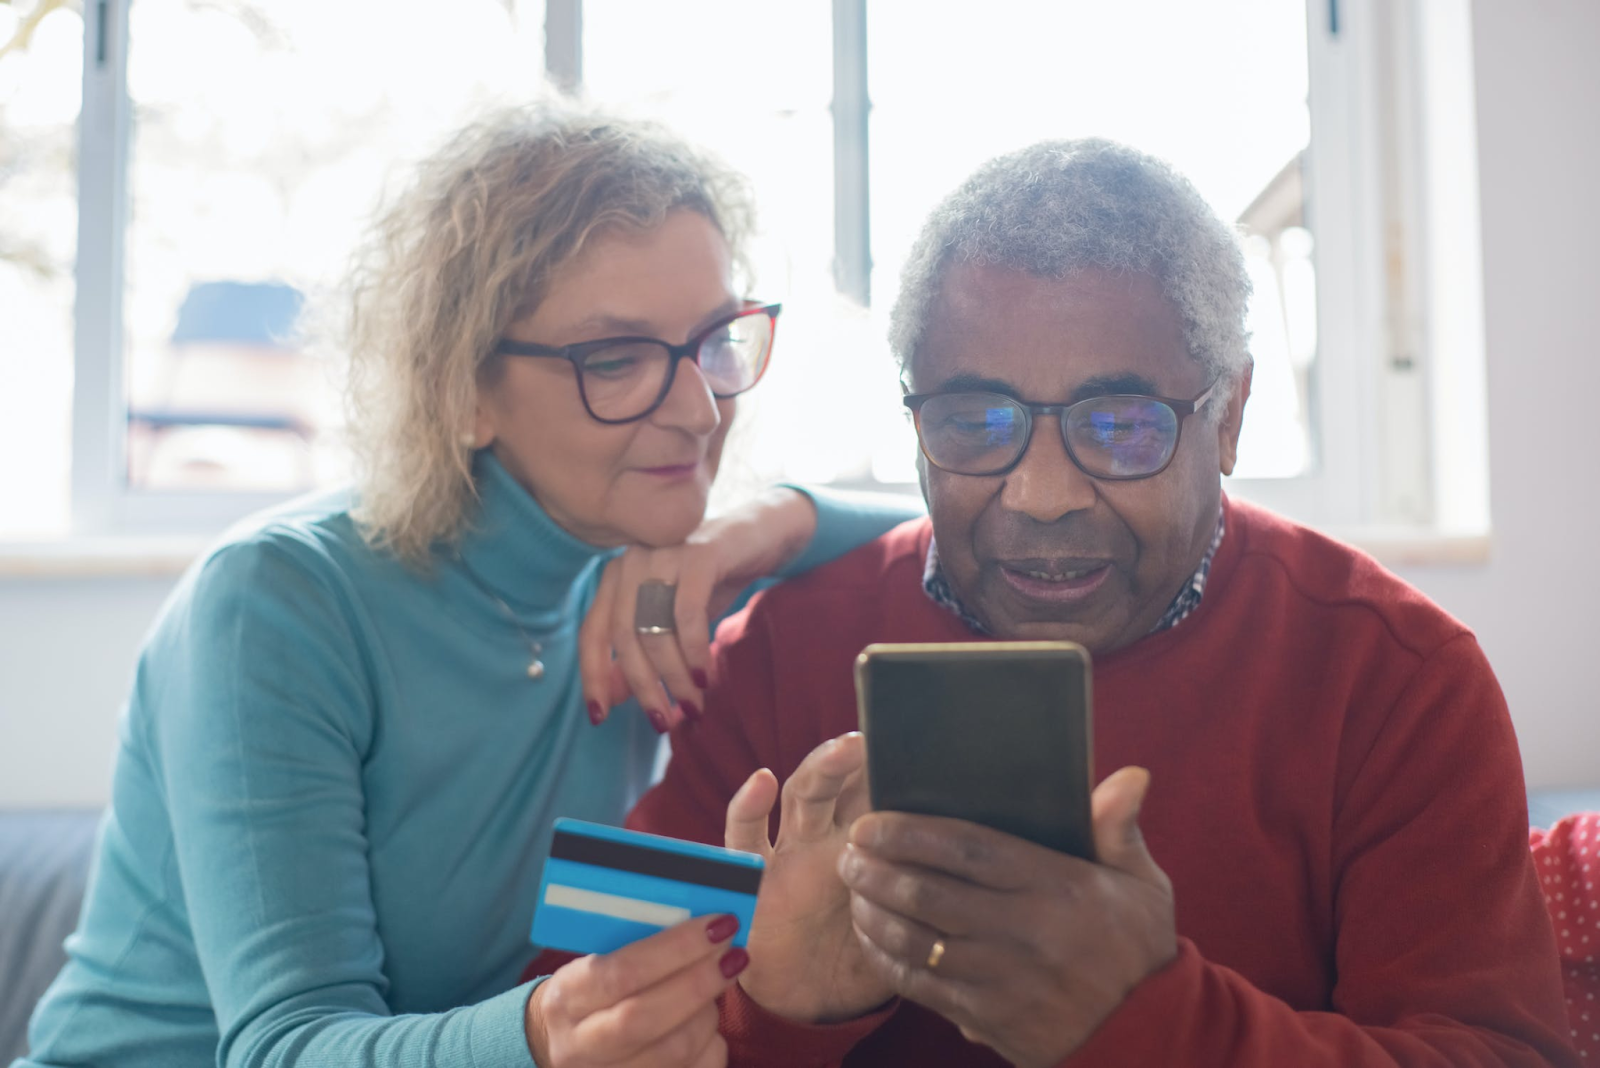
[1545, 807]
[44, 864]
[1567, 857]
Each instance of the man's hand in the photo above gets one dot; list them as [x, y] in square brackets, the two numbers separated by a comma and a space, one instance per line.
[1039, 947]
[805, 961]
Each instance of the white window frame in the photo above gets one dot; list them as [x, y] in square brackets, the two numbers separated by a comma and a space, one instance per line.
[102, 502]
[1399, 406]
[1343, 181]
[1376, 131]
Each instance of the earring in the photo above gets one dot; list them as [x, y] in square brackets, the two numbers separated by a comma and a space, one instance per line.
[468, 440]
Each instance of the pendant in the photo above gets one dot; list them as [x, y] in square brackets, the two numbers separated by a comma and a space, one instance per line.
[536, 670]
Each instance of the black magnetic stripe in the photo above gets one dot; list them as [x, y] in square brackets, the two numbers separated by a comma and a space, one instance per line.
[702, 871]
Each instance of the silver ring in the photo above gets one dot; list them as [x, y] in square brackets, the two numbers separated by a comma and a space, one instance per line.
[653, 607]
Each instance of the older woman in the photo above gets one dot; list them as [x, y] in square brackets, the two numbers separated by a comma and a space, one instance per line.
[356, 719]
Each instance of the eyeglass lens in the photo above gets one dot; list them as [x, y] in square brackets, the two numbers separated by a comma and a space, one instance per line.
[1109, 437]
[627, 379]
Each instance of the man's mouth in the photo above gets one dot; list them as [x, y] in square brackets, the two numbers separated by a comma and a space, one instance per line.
[1058, 576]
[1055, 581]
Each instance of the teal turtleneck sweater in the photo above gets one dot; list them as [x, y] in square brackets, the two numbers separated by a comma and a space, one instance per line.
[334, 792]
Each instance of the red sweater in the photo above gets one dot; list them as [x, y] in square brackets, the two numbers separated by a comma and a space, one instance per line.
[1337, 797]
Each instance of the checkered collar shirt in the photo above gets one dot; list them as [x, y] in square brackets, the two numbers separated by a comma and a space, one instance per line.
[938, 588]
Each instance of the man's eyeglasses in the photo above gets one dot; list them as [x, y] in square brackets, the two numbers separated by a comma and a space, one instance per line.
[1118, 437]
[622, 379]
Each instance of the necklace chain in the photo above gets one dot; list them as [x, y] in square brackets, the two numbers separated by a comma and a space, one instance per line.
[535, 665]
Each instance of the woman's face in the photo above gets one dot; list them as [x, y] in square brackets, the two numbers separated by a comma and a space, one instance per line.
[644, 482]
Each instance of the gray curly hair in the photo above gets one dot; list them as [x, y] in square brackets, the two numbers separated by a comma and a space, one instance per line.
[469, 248]
[1062, 206]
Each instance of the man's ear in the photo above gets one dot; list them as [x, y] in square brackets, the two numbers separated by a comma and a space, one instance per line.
[1232, 419]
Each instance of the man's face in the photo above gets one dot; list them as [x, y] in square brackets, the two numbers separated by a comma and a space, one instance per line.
[1045, 551]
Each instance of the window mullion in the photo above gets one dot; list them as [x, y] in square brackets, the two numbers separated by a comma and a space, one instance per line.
[852, 236]
[563, 44]
[98, 438]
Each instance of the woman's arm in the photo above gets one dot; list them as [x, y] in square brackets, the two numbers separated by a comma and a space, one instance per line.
[263, 716]
[265, 723]
[782, 533]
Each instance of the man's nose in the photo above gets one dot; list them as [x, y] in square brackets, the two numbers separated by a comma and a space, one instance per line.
[1046, 485]
[689, 405]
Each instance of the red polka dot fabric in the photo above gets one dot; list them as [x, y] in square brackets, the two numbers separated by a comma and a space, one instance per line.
[1568, 859]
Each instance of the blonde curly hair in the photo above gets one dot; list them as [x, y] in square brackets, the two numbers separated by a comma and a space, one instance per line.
[468, 248]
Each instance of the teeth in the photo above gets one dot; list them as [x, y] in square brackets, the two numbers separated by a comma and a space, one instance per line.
[1065, 576]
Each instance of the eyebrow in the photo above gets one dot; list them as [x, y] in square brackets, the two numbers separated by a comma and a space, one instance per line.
[1108, 385]
[600, 326]
[1099, 386]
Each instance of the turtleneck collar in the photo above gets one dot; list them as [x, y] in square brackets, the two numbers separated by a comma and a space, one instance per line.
[514, 547]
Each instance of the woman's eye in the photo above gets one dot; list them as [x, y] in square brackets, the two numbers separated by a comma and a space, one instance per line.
[617, 368]
[612, 364]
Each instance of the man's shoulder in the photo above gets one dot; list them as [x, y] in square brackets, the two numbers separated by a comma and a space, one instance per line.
[1326, 575]
[849, 593]
[891, 562]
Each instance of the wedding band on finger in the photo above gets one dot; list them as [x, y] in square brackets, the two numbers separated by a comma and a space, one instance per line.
[653, 608]
[935, 955]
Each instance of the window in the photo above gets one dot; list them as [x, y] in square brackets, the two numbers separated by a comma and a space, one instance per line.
[1218, 90]
[41, 77]
[230, 152]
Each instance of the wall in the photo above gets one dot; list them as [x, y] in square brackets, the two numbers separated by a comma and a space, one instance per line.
[67, 645]
[1538, 95]
[67, 650]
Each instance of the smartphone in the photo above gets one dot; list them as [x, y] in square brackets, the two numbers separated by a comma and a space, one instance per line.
[996, 733]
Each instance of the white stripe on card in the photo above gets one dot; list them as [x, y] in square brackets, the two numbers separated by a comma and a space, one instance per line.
[620, 908]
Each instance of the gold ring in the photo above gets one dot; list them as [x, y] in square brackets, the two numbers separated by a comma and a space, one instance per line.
[936, 954]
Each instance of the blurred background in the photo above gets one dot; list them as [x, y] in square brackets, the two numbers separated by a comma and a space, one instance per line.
[1412, 181]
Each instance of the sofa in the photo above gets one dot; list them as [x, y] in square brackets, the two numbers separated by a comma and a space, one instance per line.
[44, 865]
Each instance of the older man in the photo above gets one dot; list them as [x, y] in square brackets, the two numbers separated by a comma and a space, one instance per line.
[1333, 864]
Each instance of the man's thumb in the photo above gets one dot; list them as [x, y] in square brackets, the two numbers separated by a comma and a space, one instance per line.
[1117, 838]
[748, 810]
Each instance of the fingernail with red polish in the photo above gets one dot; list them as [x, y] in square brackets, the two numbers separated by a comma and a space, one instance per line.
[733, 962]
[722, 928]
[657, 720]
[699, 678]
[690, 709]
[597, 714]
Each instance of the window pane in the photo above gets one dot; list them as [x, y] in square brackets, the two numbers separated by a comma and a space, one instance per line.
[753, 83]
[750, 82]
[263, 134]
[1219, 90]
[41, 91]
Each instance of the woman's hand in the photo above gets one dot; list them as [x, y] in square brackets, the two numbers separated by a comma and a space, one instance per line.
[652, 1003]
[709, 570]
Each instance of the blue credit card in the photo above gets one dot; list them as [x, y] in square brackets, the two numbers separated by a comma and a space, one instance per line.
[604, 887]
